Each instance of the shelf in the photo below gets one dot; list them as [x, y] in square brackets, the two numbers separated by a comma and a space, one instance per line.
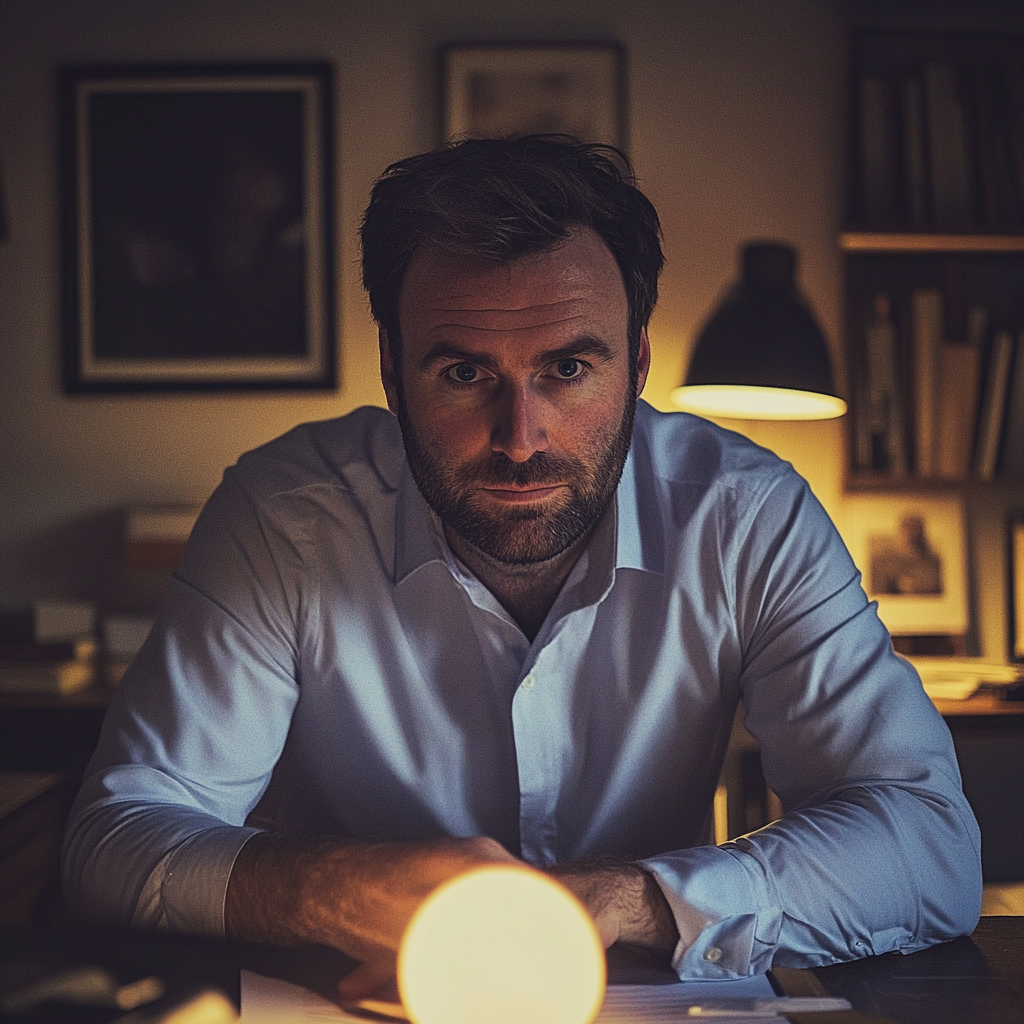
[867, 481]
[894, 241]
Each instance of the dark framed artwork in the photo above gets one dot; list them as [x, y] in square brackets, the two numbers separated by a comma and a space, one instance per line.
[492, 89]
[197, 228]
[1015, 541]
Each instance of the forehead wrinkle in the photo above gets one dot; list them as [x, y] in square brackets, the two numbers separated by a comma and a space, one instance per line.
[502, 309]
[528, 318]
[455, 325]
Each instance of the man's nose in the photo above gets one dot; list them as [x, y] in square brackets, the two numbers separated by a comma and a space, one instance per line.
[519, 429]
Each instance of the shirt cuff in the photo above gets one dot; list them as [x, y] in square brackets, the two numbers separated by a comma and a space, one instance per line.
[719, 896]
[186, 891]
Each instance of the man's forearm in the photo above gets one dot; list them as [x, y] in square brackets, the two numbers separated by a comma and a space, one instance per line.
[625, 901]
[359, 898]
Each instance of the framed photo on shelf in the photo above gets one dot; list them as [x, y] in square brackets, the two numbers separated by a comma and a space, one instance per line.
[911, 552]
[492, 89]
[1016, 585]
[197, 227]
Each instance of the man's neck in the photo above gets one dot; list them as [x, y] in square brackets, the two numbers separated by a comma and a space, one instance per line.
[526, 592]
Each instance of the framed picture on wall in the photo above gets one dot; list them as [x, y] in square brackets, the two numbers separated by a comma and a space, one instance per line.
[911, 551]
[518, 89]
[197, 228]
[1016, 585]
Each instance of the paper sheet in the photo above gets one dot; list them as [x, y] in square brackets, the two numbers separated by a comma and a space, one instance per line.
[271, 1001]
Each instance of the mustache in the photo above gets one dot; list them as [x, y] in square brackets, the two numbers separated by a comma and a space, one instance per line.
[500, 471]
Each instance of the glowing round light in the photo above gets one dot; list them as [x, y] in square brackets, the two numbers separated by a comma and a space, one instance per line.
[744, 402]
[501, 945]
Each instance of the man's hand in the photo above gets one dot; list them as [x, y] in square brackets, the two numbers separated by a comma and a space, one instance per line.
[625, 901]
[358, 898]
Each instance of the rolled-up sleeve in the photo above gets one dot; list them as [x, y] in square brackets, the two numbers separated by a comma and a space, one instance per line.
[191, 738]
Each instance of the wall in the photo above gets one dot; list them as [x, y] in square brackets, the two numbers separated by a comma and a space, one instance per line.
[737, 121]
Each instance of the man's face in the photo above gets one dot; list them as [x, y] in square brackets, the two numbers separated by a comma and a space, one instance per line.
[516, 399]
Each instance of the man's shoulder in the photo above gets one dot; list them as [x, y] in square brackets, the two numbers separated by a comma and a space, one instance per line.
[681, 449]
[362, 446]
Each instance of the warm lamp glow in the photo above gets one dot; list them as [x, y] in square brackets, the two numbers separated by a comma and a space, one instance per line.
[745, 402]
[501, 945]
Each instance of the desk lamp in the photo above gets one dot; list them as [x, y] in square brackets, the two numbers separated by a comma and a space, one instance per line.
[761, 354]
[501, 945]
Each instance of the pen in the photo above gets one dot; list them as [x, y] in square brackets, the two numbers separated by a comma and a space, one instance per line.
[773, 1005]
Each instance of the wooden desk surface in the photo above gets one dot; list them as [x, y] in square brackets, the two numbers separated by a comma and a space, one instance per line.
[983, 703]
[976, 980]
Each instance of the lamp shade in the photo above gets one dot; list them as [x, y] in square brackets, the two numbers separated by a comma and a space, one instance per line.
[761, 353]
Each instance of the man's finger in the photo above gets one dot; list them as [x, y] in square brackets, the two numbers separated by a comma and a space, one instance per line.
[365, 981]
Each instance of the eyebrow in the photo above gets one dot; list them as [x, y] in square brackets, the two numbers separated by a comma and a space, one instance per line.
[587, 346]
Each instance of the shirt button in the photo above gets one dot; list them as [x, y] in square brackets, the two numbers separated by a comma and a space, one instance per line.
[713, 955]
[529, 682]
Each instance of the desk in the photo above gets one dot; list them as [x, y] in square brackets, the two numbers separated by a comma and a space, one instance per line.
[33, 806]
[984, 706]
[977, 980]
[988, 735]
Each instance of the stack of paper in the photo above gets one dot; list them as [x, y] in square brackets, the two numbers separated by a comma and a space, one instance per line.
[748, 1000]
[959, 678]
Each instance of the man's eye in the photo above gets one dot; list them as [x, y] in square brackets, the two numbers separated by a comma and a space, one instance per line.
[569, 368]
[464, 373]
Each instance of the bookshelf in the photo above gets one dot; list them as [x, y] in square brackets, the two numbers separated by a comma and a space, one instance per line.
[934, 261]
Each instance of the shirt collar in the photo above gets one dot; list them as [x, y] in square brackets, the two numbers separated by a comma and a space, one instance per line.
[418, 535]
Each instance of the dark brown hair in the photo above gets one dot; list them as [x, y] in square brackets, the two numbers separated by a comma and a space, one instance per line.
[499, 199]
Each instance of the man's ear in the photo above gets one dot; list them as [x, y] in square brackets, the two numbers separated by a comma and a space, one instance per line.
[643, 361]
[387, 370]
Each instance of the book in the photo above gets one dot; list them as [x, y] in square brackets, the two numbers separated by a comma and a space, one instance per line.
[54, 620]
[156, 534]
[999, 205]
[926, 338]
[915, 158]
[878, 149]
[993, 406]
[948, 148]
[1014, 119]
[984, 144]
[54, 668]
[53, 677]
[884, 446]
[959, 367]
[1011, 458]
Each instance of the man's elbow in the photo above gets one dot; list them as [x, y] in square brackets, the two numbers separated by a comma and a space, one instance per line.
[950, 884]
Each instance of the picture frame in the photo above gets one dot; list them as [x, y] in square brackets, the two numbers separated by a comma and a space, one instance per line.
[1015, 587]
[911, 551]
[197, 227]
[494, 89]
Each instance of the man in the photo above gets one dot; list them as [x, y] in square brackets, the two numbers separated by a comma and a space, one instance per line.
[515, 621]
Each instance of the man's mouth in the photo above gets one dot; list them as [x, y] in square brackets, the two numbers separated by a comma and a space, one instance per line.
[521, 495]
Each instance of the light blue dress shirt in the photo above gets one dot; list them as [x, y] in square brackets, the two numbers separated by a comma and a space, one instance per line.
[321, 631]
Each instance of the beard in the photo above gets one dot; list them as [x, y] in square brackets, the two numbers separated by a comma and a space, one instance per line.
[527, 535]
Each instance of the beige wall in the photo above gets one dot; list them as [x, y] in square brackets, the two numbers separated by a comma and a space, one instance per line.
[736, 119]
